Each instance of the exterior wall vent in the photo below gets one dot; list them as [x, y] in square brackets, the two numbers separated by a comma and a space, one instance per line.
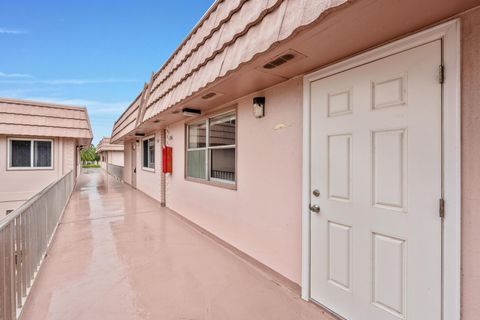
[279, 61]
[209, 96]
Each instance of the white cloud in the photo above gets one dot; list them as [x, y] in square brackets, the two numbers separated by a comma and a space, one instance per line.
[99, 107]
[25, 92]
[12, 31]
[15, 75]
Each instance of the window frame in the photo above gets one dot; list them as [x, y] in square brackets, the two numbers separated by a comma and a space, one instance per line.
[148, 153]
[208, 179]
[32, 152]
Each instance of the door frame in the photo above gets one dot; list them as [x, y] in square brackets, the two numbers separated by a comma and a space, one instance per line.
[133, 163]
[449, 33]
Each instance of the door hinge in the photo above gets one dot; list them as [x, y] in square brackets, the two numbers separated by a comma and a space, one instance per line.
[441, 208]
[441, 74]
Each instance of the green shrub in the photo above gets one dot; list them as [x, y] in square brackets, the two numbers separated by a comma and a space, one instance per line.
[90, 165]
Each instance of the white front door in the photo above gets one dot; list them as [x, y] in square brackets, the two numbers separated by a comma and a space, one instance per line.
[376, 161]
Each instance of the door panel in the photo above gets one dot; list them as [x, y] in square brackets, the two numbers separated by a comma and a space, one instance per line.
[376, 160]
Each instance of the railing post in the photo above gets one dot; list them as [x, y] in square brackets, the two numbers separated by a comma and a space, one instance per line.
[9, 274]
[24, 255]
[18, 259]
[3, 289]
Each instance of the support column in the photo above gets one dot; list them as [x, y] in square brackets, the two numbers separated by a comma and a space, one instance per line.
[163, 180]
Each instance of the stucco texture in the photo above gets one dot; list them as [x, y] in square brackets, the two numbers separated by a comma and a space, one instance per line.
[127, 168]
[148, 180]
[471, 165]
[17, 186]
[261, 217]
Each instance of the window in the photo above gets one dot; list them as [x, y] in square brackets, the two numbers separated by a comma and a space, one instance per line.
[149, 153]
[30, 154]
[8, 212]
[211, 147]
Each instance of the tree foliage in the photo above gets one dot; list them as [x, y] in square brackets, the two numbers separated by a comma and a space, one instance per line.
[89, 154]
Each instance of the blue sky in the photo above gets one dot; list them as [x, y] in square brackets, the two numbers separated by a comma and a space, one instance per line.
[91, 53]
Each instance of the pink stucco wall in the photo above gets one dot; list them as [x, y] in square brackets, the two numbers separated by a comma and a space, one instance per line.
[471, 165]
[263, 216]
[116, 158]
[127, 162]
[148, 181]
[113, 157]
[19, 185]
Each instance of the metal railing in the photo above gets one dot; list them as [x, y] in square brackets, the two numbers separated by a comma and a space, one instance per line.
[25, 236]
[223, 175]
[116, 171]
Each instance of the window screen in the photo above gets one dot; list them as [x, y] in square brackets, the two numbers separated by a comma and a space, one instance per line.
[197, 135]
[149, 153]
[196, 164]
[145, 153]
[211, 149]
[21, 153]
[42, 153]
[30, 153]
[222, 164]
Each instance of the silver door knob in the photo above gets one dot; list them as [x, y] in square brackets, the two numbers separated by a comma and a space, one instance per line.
[315, 208]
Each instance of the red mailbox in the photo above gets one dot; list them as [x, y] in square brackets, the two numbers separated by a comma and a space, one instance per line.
[167, 159]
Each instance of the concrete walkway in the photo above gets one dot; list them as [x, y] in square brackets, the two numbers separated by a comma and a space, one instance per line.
[118, 255]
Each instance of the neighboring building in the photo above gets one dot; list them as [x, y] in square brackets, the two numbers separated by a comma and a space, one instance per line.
[111, 156]
[39, 143]
[322, 139]
[110, 153]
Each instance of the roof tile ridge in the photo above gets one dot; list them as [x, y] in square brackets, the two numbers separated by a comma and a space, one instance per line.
[216, 52]
[204, 39]
[247, 27]
[294, 32]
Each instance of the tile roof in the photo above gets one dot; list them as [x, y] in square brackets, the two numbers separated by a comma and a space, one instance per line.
[127, 121]
[29, 118]
[230, 34]
[106, 145]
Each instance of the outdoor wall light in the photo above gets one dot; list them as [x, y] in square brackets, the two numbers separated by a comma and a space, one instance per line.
[189, 112]
[259, 107]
